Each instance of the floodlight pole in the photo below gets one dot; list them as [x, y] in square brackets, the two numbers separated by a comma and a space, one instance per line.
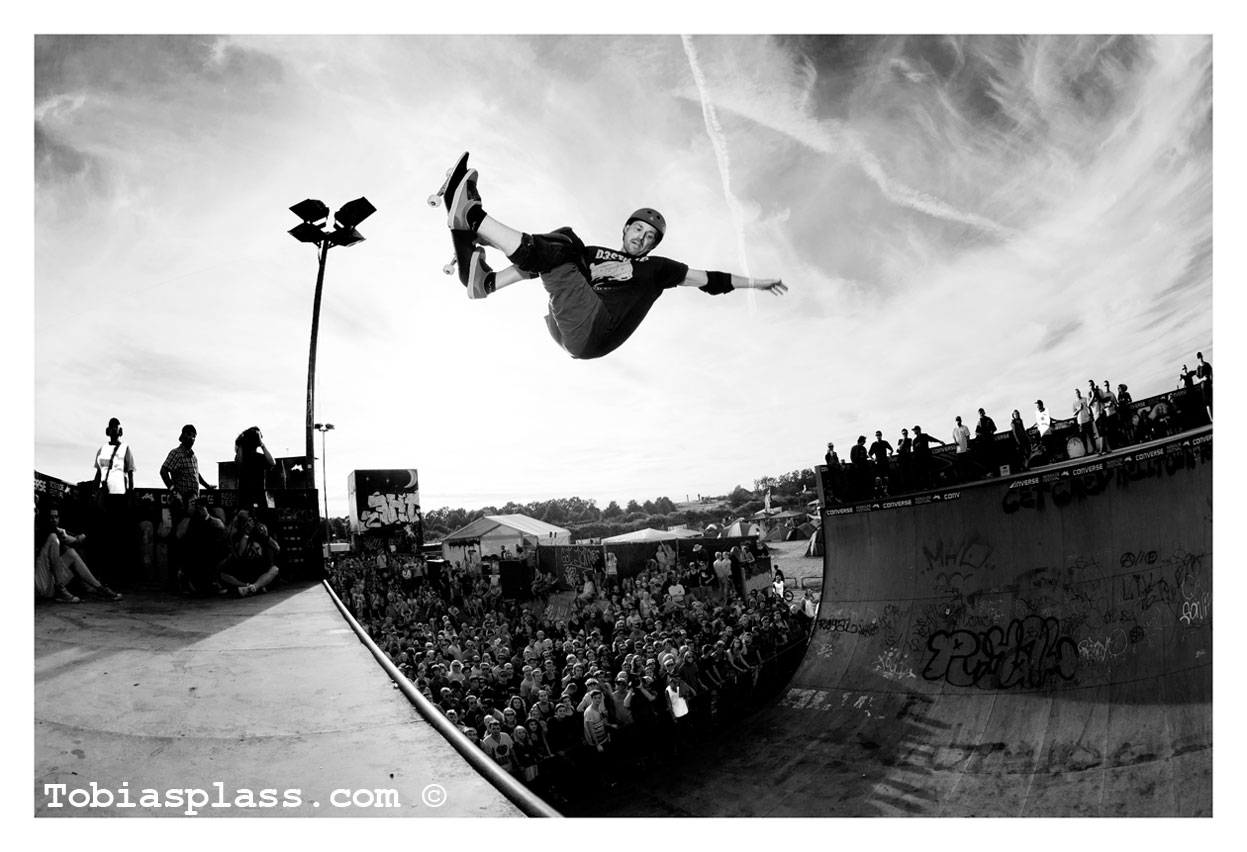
[324, 428]
[311, 361]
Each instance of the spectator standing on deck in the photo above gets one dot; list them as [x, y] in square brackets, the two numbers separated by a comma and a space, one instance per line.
[1096, 403]
[114, 480]
[254, 462]
[181, 475]
[1086, 425]
[861, 465]
[984, 436]
[880, 450]
[1021, 441]
[1111, 428]
[1043, 425]
[1203, 372]
[922, 457]
[1125, 415]
[961, 436]
[904, 460]
[834, 485]
[114, 463]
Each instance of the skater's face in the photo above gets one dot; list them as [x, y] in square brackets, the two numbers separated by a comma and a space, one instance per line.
[639, 237]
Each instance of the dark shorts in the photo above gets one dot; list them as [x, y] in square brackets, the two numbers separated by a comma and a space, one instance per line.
[576, 316]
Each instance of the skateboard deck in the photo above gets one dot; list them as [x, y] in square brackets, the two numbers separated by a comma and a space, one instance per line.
[463, 241]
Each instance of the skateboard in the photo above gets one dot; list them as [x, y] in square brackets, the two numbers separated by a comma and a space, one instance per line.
[464, 241]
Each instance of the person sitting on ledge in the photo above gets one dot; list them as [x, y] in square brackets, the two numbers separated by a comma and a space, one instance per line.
[253, 556]
[58, 562]
[204, 545]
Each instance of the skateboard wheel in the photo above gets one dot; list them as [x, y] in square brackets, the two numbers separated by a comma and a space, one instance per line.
[432, 199]
[449, 268]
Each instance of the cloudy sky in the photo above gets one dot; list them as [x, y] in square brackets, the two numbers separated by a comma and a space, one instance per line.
[963, 222]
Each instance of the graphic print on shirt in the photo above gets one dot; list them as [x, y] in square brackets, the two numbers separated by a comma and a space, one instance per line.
[610, 266]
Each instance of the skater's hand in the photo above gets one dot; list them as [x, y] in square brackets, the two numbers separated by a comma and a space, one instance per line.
[772, 285]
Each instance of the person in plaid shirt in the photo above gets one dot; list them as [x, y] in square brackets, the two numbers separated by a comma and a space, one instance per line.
[181, 475]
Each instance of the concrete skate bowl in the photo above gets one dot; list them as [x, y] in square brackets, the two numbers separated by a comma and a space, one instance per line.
[1039, 645]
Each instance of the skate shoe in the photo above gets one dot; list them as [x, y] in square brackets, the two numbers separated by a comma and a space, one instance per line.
[64, 595]
[477, 272]
[103, 593]
[463, 197]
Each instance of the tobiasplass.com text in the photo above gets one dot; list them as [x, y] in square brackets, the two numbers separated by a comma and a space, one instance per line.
[193, 800]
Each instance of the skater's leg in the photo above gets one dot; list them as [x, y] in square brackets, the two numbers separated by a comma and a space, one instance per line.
[497, 235]
[482, 280]
[508, 276]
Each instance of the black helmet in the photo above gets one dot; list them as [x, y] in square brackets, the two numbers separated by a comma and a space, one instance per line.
[653, 217]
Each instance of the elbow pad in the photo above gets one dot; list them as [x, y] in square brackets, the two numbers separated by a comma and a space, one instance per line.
[719, 283]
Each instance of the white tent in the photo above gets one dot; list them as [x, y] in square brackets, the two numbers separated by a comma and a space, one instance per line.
[486, 536]
[646, 534]
[740, 528]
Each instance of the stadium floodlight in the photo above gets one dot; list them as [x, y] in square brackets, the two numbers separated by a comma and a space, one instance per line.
[345, 237]
[306, 232]
[315, 215]
[311, 211]
[353, 212]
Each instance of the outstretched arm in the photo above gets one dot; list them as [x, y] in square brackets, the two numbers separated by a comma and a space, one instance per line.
[700, 278]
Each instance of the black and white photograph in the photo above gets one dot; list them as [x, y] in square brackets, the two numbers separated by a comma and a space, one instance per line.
[719, 424]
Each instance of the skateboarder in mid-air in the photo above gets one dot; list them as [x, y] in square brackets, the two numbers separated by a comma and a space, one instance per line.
[598, 296]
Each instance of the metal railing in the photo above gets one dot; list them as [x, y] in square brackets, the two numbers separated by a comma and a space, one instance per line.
[531, 804]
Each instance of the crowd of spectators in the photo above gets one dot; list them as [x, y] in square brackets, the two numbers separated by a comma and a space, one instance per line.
[644, 667]
[1102, 421]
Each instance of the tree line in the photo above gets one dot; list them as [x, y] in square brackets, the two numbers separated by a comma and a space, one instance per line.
[585, 519]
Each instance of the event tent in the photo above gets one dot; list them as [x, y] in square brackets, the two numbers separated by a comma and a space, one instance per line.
[740, 528]
[486, 536]
[648, 534]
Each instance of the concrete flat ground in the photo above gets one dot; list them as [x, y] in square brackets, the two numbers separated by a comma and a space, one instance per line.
[226, 696]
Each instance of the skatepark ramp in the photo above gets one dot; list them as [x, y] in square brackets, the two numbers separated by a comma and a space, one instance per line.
[1036, 645]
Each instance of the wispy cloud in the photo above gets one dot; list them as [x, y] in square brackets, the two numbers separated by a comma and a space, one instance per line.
[945, 209]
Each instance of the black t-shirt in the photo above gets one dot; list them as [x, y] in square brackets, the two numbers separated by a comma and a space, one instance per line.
[628, 287]
[879, 450]
[252, 470]
[858, 454]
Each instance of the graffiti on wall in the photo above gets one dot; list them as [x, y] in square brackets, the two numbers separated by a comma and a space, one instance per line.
[1034, 629]
[1026, 653]
[388, 510]
[384, 499]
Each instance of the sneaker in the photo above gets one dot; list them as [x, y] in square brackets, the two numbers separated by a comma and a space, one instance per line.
[103, 593]
[64, 595]
[478, 270]
[463, 197]
[243, 591]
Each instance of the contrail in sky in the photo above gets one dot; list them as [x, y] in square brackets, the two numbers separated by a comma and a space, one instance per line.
[912, 198]
[828, 137]
[719, 142]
